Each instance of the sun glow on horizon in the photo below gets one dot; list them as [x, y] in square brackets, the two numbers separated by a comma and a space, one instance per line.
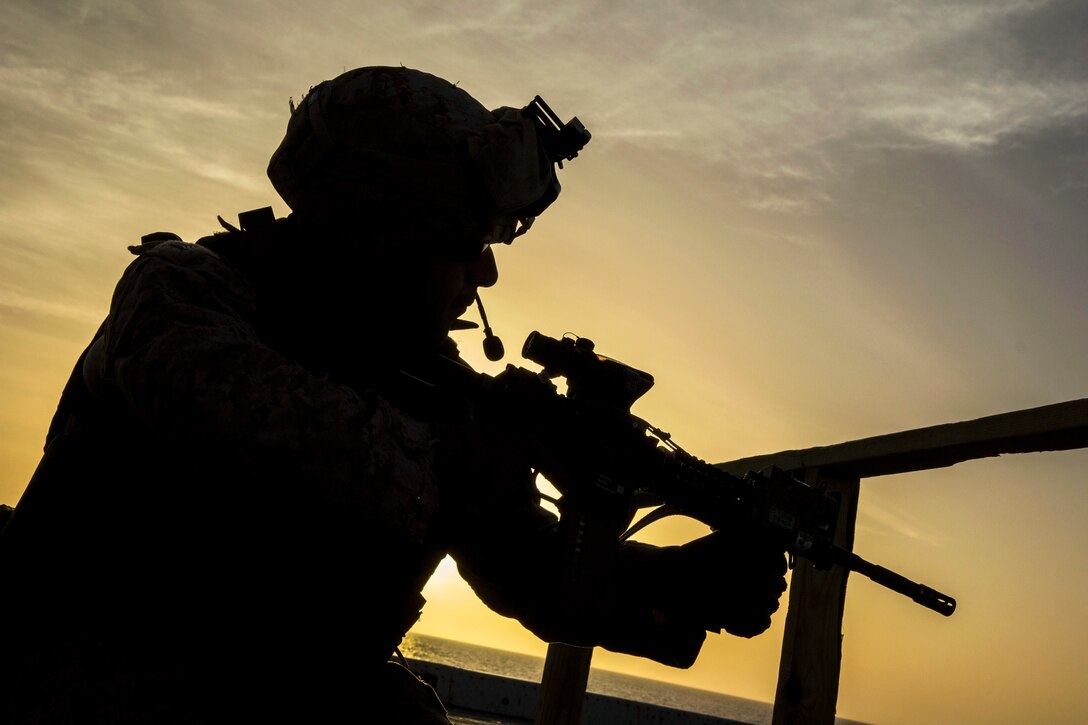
[812, 223]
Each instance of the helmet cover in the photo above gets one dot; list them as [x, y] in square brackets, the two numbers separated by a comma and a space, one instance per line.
[393, 140]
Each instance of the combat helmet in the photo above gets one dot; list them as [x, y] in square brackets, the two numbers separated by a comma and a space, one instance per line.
[398, 142]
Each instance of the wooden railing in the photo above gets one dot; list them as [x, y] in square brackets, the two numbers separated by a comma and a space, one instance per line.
[808, 676]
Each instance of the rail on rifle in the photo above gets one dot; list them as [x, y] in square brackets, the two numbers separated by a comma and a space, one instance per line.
[600, 456]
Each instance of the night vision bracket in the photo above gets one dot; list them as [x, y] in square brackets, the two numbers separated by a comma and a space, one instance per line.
[562, 141]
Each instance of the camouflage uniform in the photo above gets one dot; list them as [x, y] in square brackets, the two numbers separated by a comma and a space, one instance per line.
[214, 520]
[232, 522]
[226, 489]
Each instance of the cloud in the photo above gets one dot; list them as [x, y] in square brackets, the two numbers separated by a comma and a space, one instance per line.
[782, 97]
[787, 95]
[879, 517]
[76, 110]
[22, 315]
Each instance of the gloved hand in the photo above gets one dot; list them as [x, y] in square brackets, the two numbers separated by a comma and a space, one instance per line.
[731, 579]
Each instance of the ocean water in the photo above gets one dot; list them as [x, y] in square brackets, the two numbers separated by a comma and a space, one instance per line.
[529, 667]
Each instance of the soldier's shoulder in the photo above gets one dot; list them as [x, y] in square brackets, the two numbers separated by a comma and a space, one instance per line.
[190, 270]
[169, 247]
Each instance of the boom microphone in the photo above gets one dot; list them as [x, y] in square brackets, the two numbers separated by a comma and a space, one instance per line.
[493, 349]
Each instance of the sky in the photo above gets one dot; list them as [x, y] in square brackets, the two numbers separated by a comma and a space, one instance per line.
[812, 222]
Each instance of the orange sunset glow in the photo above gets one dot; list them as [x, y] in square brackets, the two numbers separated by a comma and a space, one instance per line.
[811, 222]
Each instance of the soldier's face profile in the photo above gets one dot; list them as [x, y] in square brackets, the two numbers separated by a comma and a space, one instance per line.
[454, 284]
[438, 289]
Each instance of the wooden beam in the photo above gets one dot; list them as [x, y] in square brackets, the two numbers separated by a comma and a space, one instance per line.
[1062, 426]
[808, 675]
[563, 687]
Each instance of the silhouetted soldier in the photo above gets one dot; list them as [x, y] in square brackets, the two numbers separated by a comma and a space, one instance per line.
[235, 514]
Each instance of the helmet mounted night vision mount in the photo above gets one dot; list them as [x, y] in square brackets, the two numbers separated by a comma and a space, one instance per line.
[562, 141]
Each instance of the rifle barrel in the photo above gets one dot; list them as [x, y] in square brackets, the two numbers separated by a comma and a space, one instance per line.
[920, 593]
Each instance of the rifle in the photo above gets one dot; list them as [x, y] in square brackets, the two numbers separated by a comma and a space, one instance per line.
[607, 461]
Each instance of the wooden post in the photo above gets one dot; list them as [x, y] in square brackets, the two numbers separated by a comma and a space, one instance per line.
[563, 687]
[808, 676]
